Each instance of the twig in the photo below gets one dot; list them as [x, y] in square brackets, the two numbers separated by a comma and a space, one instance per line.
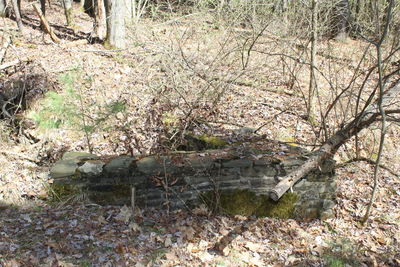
[369, 161]
[3, 50]
[269, 121]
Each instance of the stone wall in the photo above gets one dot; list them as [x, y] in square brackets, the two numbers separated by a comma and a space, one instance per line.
[181, 180]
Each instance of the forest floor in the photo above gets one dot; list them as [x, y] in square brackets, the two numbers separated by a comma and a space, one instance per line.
[171, 66]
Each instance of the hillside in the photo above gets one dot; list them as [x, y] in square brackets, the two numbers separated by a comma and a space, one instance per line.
[182, 73]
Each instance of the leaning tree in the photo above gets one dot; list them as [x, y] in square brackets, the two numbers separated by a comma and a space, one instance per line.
[372, 104]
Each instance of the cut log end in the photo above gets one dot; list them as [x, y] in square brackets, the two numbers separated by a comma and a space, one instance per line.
[274, 195]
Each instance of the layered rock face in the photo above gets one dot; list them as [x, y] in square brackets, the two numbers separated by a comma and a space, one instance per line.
[187, 179]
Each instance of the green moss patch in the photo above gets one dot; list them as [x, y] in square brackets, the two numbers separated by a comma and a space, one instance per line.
[203, 142]
[60, 192]
[246, 203]
[212, 142]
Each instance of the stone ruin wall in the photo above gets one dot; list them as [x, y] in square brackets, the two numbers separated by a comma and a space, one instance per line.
[179, 179]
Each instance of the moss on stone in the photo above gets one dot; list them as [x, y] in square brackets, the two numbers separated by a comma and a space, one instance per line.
[212, 142]
[202, 142]
[247, 203]
[283, 208]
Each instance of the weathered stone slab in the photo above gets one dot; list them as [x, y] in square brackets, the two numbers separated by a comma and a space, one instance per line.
[259, 171]
[120, 165]
[79, 156]
[238, 163]
[290, 163]
[154, 165]
[64, 168]
[179, 180]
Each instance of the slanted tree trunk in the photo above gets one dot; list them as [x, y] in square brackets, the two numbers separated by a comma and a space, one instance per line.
[115, 24]
[3, 8]
[100, 19]
[363, 120]
[68, 11]
[17, 12]
[46, 25]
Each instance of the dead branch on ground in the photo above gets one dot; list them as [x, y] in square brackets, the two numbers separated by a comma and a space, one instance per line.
[45, 23]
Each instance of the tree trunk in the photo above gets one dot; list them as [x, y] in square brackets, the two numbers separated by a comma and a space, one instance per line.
[68, 11]
[115, 24]
[3, 8]
[363, 120]
[380, 102]
[342, 22]
[43, 7]
[129, 9]
[100, 19]
[88, 6]
[313, 82]
[17, 12]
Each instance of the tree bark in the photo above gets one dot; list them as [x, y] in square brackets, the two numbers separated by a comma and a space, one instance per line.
[43, 7]
[68, 11]
[363, 120]
[313, 82]
[115, 24]
[3, 8]
[100, 19]
[17, 12]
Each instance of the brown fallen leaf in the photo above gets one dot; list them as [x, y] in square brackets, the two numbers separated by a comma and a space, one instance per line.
[255, 247]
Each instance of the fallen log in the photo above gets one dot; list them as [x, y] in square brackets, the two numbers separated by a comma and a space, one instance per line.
[362, 120]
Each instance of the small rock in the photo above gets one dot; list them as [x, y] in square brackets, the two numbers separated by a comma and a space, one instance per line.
[92, 167]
